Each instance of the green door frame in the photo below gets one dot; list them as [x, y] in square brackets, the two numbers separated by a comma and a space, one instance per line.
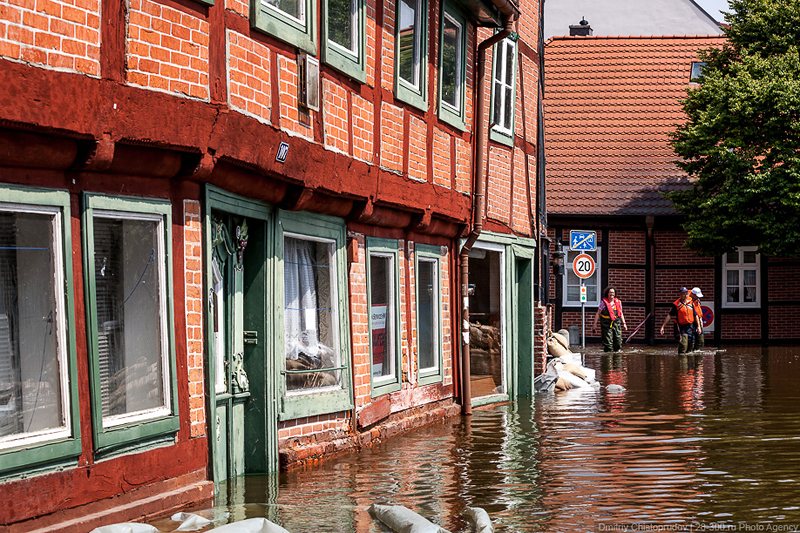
[261, 409]
[514, 249]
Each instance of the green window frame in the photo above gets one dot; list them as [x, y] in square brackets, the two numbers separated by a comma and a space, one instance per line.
[428, 253]
[326, 399]
[132, 430]
[299, 31]
[385, 248]
[504, 57]
[415, 94]
[56, 446]
[350, 61]
[448, 112]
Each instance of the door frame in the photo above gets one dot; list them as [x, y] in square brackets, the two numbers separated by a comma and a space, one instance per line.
[257, 316]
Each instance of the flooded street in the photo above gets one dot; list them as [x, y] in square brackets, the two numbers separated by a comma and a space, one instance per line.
[711, 439]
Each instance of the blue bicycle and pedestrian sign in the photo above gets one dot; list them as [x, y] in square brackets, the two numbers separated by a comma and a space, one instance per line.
[582, 241]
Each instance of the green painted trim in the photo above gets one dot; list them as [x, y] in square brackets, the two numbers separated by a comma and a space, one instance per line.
[431, 252]
[64, 451]
[333, 56]
[518, 243]
[229, 202]
[297, 405]
[454, 117]
[494, 134]
[386, 247]
[281, 26]
[488, 400]
[522, 308]
[523, 251]
[417, 97]
[111, 439]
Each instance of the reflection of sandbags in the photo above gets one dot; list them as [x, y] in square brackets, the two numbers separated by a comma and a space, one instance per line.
[403, 520]
[479, 519]
[555, 348]
[562, 384]
[562, 339]
[126, 527]
[251, 525]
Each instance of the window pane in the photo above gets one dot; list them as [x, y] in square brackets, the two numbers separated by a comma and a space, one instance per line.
[310, 337]
[732, 295]
[749, 257]
[749, 277]
[749, 294]
[732, 258]
[381, 315]
[127, 262]
[497, 108]
[508, 63]
[428, 314]
[508, 110]
[293, 8]
[341, 26]
[451, 62]
[30, 365]
[573, 293]
[408, 41]
[733, 278]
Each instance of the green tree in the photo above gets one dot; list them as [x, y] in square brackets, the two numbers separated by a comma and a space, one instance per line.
[741, 142]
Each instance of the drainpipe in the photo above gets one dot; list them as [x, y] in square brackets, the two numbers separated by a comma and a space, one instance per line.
[510, 13]
[541, 192]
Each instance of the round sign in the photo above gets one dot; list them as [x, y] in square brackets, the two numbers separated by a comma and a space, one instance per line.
[708, 316]
[583, 266]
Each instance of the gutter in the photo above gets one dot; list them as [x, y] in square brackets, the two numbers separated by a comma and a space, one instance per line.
[541, 193]
[510, 13]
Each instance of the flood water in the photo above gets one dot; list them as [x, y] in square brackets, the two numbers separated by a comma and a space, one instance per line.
[710, 440]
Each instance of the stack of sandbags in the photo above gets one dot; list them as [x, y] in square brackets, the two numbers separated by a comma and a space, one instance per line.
[564, 371]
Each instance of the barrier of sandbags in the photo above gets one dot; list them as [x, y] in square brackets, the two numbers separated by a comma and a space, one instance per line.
[555, 348]
[562, 339]
[250, 525]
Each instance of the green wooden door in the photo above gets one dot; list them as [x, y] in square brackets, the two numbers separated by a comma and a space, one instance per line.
[226, 312]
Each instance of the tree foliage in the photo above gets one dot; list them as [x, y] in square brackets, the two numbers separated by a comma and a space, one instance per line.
[741, 143]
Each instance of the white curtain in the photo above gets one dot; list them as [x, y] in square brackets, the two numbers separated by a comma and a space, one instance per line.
[301, 307]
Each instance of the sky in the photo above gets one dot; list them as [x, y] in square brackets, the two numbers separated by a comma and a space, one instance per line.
[713, 7]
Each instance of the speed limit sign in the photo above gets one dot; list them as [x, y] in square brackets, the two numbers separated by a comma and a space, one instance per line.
[583, 266]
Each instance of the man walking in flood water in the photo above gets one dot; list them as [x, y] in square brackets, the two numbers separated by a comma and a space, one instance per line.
[699, 341]
[689, 323]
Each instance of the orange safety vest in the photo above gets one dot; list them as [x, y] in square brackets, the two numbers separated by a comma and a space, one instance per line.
[613, 308]
[698, 309]
[685, 312]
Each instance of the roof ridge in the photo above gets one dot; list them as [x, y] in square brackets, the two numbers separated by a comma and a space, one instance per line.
[631, 37]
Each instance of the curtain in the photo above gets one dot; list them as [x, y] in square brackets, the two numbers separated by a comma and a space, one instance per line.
[301, 302]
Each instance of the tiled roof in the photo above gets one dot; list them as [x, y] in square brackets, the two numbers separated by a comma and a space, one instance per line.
[610, 104]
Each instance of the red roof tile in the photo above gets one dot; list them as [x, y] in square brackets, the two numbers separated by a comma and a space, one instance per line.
[610, 104]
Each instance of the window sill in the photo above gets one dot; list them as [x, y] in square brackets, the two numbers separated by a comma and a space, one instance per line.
[410, 97]
[450, 117]
[135, 435]
[43, 457]
[501, 137]
[312, 404]
[345, 64]
[384, 389]
[429, 379]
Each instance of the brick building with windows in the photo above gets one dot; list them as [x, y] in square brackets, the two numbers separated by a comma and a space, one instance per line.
[238, 234]
[611, 103]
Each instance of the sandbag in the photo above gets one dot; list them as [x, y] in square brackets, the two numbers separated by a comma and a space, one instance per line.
[562, 384]
[126, 527]
[562, 339]
[565, 333]
[190, 521]
[572, 379]
[251, 525]
[555, 348]
[577, 370]
[403, 520]
[479, 520]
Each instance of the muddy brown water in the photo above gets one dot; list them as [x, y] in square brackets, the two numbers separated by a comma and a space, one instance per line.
[705, 442]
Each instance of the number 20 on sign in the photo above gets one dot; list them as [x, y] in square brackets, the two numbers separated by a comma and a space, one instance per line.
[583, 266]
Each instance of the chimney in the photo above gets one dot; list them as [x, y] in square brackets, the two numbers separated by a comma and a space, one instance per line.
[581, 29]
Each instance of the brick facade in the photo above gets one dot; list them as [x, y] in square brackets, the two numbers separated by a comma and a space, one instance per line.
[193, 275]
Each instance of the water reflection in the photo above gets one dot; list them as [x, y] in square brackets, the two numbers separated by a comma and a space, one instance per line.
[711, 438]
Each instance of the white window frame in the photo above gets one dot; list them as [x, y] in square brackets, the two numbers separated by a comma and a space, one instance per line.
[504, 360]
[166, 408]
[507, 54]
[301, 3]
[437, 317]
[334, 298]
[460, 54]
[741, 267]
[598, 273]
[355, 20]
[27, 439]
[391, 307]
[418, 30]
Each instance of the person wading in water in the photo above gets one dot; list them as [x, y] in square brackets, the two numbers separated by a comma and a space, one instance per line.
[609, 313]
[689, 323]
[699, 341]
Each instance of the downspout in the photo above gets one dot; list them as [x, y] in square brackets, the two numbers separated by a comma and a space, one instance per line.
[510, 13]
[541, 193]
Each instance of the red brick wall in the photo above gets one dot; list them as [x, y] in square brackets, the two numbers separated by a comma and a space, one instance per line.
[669, 282]
[670, 250]
[741, 327]
[57, 34]
[392, 137]
[629, 283]
[193, 273]
[167, 49]
[627, 247]
[783, 322]
[783, 282]
[249, 77]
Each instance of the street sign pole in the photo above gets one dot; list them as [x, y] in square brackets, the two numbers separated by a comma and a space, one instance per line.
[583, 319]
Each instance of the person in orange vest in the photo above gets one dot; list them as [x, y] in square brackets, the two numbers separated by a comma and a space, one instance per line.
[699, 340]
[611, 318]
[689, 323]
